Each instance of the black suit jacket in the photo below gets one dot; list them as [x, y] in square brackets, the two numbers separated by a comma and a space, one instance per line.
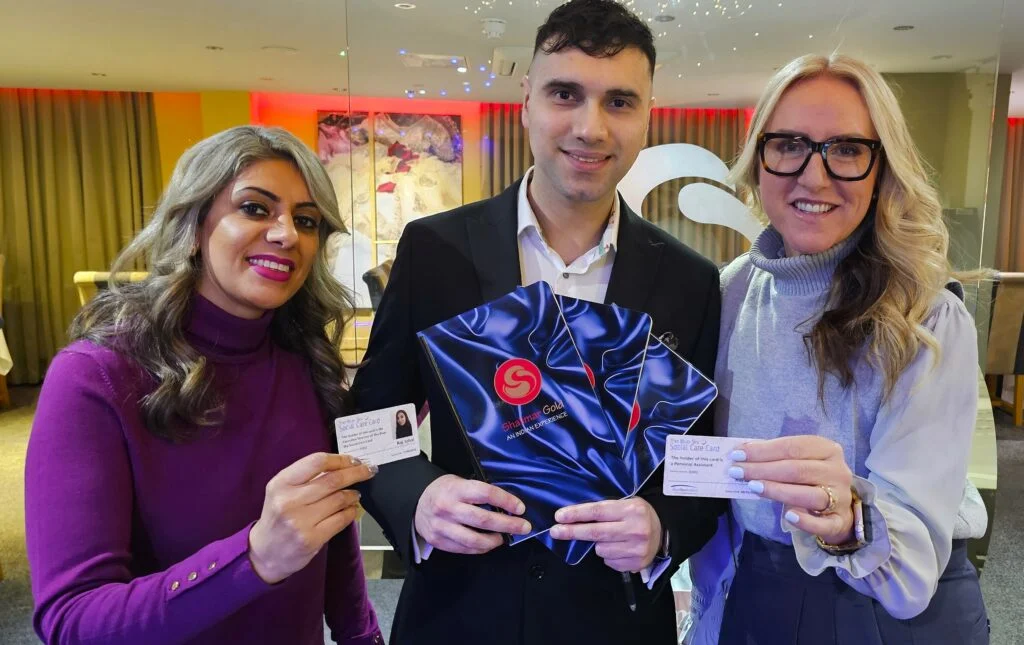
[523, 595]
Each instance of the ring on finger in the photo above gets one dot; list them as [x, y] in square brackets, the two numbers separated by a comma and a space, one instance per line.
[831, 506]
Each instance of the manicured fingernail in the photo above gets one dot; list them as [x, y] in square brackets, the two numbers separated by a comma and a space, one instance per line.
[372, 468]
[756, 486]
[356, 461]
[735, 472]
[738, 455]
[792, 517]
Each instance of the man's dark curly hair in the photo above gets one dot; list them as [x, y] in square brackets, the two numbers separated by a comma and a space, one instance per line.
[599, 28]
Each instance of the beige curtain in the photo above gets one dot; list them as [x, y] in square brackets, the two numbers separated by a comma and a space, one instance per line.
[78, 170]
[1010, 242]
[507, 156]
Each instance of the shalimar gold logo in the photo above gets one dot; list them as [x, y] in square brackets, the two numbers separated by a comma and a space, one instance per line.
[517, 381]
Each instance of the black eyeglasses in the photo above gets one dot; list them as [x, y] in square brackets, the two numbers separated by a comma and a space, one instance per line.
[845, 158]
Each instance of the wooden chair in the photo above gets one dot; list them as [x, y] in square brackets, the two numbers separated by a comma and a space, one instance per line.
[89, 282]
[1006, 344]
[5, 396]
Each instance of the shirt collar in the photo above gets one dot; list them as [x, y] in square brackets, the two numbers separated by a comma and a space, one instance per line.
[527, 219]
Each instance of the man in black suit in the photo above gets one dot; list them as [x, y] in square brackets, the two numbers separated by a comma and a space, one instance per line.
[586, 105]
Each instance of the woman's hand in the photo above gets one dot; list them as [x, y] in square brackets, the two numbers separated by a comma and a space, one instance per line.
[809, 475]
[305, 506]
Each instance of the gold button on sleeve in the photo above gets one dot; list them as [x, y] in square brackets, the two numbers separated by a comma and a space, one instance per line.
[192, 576]
[175, 585]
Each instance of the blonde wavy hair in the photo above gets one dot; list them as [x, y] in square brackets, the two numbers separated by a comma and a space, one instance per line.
[882, 292]
[145, 320]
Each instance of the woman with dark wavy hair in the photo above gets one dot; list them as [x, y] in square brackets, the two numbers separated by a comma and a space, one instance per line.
[847, 354]
[179, 485]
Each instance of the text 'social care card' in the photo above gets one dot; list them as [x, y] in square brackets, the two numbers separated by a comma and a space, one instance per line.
[698, 466]
[381, 436]
[526, 407]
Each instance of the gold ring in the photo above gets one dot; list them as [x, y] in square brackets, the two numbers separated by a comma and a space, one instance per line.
[831, 506]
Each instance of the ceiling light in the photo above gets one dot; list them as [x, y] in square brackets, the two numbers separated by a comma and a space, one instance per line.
[487, 83]
[465, 82]
[461, 70]
[444, 92]
[903, 27]
[402, 52]
[343, 53]
[280, 49]
[422, 91]
[404, 5]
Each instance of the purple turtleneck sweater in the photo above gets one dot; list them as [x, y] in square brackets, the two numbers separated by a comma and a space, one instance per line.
[134, 539]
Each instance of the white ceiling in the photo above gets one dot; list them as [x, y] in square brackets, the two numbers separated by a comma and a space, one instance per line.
[161, 46]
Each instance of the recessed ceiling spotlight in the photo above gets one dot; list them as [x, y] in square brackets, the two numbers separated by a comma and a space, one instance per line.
[903, 27]
[343, 53]
[402, 52]
[280, 49]
[664, 18]
[461, 70]
[444, 92]
[422, 91]
[404, 5]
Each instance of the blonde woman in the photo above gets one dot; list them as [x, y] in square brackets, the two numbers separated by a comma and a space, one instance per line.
[843, 353]
[179, 486]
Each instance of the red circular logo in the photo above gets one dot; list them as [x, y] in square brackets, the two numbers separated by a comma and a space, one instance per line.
[517, 381]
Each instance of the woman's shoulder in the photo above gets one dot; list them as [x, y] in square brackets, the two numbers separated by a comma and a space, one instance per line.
[738, 270]
[86, 359]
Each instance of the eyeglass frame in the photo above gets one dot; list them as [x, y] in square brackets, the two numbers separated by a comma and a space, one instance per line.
[820, 147]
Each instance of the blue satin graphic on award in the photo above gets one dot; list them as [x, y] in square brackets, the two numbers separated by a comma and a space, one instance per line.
[612, 341]
[525, 403]
[672, 395]
[563, 401]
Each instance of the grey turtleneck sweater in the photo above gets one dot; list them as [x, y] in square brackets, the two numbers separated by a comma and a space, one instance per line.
[909, 452]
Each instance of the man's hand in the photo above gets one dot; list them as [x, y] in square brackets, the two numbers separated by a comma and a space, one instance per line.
[448, 518]
[627, 532]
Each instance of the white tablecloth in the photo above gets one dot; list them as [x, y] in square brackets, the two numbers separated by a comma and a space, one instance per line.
[5, 355]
